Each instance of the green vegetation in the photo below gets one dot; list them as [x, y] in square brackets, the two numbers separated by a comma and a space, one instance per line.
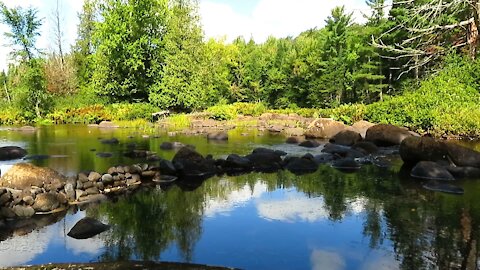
[132, 58]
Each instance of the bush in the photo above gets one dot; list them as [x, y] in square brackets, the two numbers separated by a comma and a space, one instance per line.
[251, 109]
[131, 111]
[222, 112]
[347, 113]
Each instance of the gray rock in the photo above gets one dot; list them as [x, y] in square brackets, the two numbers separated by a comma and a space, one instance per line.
[23, 211]
[88, 185]
[386, 135]
[464, 172]
[431, 171]
[346, 164]
[166, 167]
[7, 212]
[301, 166]
[112, 170]
[79, 193]
[46, 202]
[82, 177]
[29, 200]
[94, 176]
[5, 197]
[107, 178]
[25, 175]
[346, 137]
[92, 190]
[309, 144]
[70, 192]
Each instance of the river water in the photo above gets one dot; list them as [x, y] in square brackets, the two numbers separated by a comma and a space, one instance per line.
[375, 218]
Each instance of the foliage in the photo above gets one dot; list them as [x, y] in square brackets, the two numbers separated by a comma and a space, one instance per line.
[131, 111]
[347, 113]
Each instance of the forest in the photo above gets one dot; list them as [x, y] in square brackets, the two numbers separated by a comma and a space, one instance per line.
[413, 63]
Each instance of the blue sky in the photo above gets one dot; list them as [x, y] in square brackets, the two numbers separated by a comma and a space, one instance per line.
[220, 18]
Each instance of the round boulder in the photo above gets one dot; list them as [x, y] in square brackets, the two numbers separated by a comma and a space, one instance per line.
[324, 128]
[25, 175]
[87, 228]
[415, 149]
[463, 156]
[346, 137]
[386, 135]
[46, 202]
[361, 127]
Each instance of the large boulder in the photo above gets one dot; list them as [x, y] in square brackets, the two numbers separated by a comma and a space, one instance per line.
[416, 149]
[362, 126]
[386, 135]
[87, 228]
[25, 175]
[301, 166]
[431, 171]
[12, 152]
[324, 128]
[342, 151]
[265, 160]
[463, 156]
[189, 162]
[236, 163]
[346, 137]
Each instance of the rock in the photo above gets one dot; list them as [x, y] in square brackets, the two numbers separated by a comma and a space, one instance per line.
[107, 178]
[134, 169]
[346, 137]
[112, 170]
[166, 146]
[309, 144]
[92, 190]
[342, 151]
[88, 185]
[93, 198]
[46, 202]
[166, 167]
[87, 228]
[82, 177]
[136, 154]
[11, 152]
[236, 163]
[463, 156]
[361, 127]
[27, 128]
[6, 212]
[148, 174]
[275, 128]
[217, 136]
[464, 172]
[110, 141]
[24, 175]
[443, 187]
[107, 124]
[36, 157]
[416, 149]
[324, 128]
[5, 197]
[79, 193]
[29, 200]
[104, 154]
[265, 161]
[94, 176]
[365, 147]
[323, 158]
[190, 163]
[70, 191]
[386, 135]
[293, 140]
[301, 166]
[431, 171]
[346, 164]
[268, 151]
[23, 211]
[295, 132]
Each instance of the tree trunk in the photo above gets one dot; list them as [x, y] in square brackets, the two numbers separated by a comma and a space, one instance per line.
[6, 92]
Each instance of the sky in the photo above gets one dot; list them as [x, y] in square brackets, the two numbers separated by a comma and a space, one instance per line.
[228, 19]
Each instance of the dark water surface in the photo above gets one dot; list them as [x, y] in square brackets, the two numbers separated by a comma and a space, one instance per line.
[372, 219]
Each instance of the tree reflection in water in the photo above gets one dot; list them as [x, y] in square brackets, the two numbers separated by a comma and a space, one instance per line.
[428, 230]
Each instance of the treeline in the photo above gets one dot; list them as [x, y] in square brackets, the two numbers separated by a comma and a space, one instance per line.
[154, 52]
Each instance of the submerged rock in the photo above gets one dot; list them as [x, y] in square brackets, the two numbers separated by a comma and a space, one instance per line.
[309, 144]
[301, 166]
[217, 136]
[87, 228]
[415, 149]
[346, 165]
[464, 172]
[104, 154]
[190, 163]
[110, 141]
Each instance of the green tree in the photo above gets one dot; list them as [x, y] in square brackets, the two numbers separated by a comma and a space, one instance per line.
[127, 48]
[179, 85]
[24, 29]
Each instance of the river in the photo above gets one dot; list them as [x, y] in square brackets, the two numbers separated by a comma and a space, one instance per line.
[375, 218]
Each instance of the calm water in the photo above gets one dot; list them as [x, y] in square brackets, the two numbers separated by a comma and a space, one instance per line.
[372, 219]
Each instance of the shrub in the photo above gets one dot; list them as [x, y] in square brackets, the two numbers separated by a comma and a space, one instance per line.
[222, 112]
[131, 111]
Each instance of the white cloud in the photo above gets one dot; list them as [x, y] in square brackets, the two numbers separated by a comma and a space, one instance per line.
[280, 18]
[292, 209]
[19, 250]
[219, 206]
[322, 259]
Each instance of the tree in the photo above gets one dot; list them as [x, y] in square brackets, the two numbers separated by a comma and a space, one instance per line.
[83, 48]
[127, 44]
[57, 31]
[24, 29]
[180, 83]
[421, 32]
